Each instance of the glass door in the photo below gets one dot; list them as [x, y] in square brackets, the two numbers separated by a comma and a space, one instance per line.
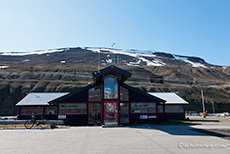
[94, 116]
[111, 112]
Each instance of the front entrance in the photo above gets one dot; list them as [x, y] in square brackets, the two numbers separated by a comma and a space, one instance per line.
[111, 112]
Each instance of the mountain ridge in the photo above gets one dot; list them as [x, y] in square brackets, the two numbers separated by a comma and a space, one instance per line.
[142, 57]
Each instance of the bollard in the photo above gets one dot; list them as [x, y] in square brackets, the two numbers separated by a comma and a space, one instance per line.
[203, 115]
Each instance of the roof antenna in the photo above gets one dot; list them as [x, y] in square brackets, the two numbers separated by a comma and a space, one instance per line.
[112, 55]
[98, 67]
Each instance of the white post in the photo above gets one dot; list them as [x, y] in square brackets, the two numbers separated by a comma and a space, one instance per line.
[99, 59]
[202, 100]
[213, 108]
[112, 55]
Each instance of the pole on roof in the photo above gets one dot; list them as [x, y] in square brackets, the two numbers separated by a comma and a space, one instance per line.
[112, 55]
[99, 59]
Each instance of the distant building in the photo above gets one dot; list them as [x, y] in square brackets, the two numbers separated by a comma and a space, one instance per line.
[107, 101]
[156, 78]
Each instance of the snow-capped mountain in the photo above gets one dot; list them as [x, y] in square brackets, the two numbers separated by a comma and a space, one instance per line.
[109, 55]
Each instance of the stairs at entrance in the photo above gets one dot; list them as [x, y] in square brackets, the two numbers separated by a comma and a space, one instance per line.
[110, 125]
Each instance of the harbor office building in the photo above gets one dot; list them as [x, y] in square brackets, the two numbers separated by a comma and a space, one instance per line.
[107, 101]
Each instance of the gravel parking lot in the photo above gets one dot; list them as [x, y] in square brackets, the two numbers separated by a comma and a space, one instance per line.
[172, 139]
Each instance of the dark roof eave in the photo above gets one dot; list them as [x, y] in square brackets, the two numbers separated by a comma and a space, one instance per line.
[71, 94]
[111, 68]
[143, 93]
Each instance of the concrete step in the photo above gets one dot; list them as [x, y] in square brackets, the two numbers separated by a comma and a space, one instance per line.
[111, 125]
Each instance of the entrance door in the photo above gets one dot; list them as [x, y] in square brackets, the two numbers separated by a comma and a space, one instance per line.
[111, 112]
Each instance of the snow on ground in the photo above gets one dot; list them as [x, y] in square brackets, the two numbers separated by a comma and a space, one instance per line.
[180, 57]
[134, 63]
[195, 64]
[31, 53]
[152, 63]
[133, 53]
[96, 50]
[26, 60]
[3, 67]
[185, 59]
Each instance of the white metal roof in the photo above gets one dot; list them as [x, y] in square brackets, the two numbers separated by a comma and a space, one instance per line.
[169, 97]
[39, 98]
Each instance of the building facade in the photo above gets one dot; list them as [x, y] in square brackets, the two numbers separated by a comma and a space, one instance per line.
[107, 101]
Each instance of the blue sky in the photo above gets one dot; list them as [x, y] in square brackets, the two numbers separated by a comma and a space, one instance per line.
[186, 27]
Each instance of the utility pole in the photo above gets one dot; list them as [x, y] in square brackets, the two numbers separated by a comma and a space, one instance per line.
[99, 59]
[213, 108]
[202, 95]
[112, 55]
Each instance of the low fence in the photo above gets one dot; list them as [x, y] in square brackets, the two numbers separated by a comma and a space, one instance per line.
[194, 113]
[12, 121]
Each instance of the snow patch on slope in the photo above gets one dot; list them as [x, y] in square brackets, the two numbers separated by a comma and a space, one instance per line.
[152, 63]
[185, 59]
[138, 54]
[31, 53]
[195, 64]
[3, 67]
[26, 60]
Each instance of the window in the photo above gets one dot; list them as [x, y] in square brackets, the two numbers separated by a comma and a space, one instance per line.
[72, 108]
[110, 90]
[36, 110]
[51, 110]
[124, 94]
[95, 94]
[174, 108]
[143, 107]
[94, 113]
[160, 109]
[111, 107]
[124, 114]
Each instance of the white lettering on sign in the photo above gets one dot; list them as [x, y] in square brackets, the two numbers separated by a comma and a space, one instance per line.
[143, 117]
[61, 116]
[152, 117]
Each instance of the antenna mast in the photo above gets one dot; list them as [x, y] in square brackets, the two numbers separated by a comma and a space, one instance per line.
[112, 55]
[98, 67]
